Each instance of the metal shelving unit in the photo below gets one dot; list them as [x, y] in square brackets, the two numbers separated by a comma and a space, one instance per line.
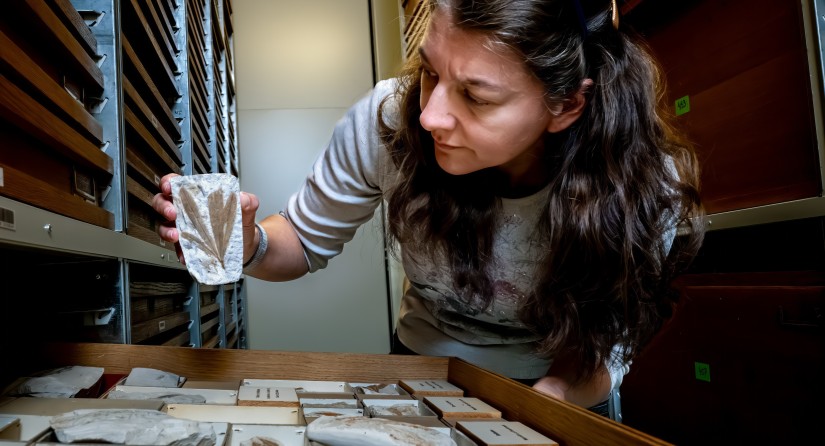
[122, 87]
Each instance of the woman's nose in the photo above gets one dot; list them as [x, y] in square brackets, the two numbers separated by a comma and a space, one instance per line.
[435, 112]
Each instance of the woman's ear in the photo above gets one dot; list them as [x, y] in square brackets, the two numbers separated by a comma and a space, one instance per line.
[565, 114]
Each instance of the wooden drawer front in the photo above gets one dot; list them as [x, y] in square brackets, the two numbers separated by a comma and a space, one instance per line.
[49, 83]
[159, 300]
[735, 356]
[210, 316]
[198, 88]
[219, 85]
[151, 64]
[740, 63]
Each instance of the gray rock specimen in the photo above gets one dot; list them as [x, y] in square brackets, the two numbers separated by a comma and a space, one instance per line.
[362, 431]
[64, 382]
[130, 426]
[396, 410]
[209, 224]
[168, 398]
[261, 441]
[145, 377]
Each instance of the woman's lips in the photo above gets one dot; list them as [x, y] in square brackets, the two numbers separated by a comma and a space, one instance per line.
[444, 147]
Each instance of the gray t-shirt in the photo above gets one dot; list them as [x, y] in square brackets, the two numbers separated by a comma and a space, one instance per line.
[345, 187]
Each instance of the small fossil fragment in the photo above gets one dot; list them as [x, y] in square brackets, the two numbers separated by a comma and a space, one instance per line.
[362, 431]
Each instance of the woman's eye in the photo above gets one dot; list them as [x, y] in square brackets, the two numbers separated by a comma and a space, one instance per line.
[429, 74]
[474, 100]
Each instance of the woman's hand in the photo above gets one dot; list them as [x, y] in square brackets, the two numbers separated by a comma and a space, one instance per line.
[162, 203]
[561, 383]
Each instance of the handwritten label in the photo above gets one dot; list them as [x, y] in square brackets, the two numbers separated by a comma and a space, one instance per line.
[702, 371]
[682, 105]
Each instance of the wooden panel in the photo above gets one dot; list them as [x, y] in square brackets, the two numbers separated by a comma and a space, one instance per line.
[559, 420]
[73, 111]
[751, 154]
[743, 64]
[139, 170]
[211, 342]
[139, 192]
[140, 130]
[161, 35]
[168, 24]
[757, 341]
[147, 116]
[150, 289]
[22, 110]
[158, 104]
[23, 187]
[153, 327]
[144, 44]
[75, 24]
[180, 340]
[147, 235]
[50, 25]
[154, 307]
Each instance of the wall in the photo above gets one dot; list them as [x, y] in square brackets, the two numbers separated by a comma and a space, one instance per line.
[299, 66]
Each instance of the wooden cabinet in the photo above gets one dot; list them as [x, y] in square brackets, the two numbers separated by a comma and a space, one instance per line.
[99, 100]
[744, 78]
[742, 359]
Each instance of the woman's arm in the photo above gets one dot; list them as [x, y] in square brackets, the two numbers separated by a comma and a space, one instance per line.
[284, 259]
[562, 373]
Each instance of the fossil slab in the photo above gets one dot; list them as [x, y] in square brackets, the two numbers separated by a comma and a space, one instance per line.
[130, 426]
[362, 431]
[64, 382]
[146, 377]
[398, 410]
[166, 397]
[209, 224]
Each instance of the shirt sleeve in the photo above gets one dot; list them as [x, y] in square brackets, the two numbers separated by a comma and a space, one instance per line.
[345, 185]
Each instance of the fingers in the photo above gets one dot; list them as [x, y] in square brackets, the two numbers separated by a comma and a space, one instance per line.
[167, 231]
[165, 186]
[162, 204]
[249, 207]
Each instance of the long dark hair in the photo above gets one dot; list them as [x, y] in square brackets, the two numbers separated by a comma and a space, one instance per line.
[620, 178]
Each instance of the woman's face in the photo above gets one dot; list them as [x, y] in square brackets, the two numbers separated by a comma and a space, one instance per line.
[479, 102]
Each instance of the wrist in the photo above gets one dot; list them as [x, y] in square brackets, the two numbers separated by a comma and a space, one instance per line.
[260, 249]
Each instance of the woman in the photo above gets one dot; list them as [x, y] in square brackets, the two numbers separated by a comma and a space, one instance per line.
[532, 183]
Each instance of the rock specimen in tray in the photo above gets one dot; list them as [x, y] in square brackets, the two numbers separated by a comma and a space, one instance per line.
[377, 389]
[168, 398]
[362, 431]
[396, 410]
[65, 382]
[209, 224]
[130, 426]
[144, 377]
[261, 441]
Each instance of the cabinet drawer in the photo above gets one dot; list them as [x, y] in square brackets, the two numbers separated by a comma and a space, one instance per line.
[742, 350]
[52, 153]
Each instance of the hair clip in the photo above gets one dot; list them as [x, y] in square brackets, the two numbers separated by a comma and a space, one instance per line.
[615, 15]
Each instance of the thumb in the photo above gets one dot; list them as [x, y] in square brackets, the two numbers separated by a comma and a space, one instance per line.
[249, 208]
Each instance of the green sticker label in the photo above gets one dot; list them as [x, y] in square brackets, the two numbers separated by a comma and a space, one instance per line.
[682, 105]
[702, 371]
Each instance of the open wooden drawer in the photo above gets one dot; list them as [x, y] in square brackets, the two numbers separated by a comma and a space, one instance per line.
[563, 422]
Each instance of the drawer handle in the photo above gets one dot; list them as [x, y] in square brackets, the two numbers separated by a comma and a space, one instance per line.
[817, 321]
